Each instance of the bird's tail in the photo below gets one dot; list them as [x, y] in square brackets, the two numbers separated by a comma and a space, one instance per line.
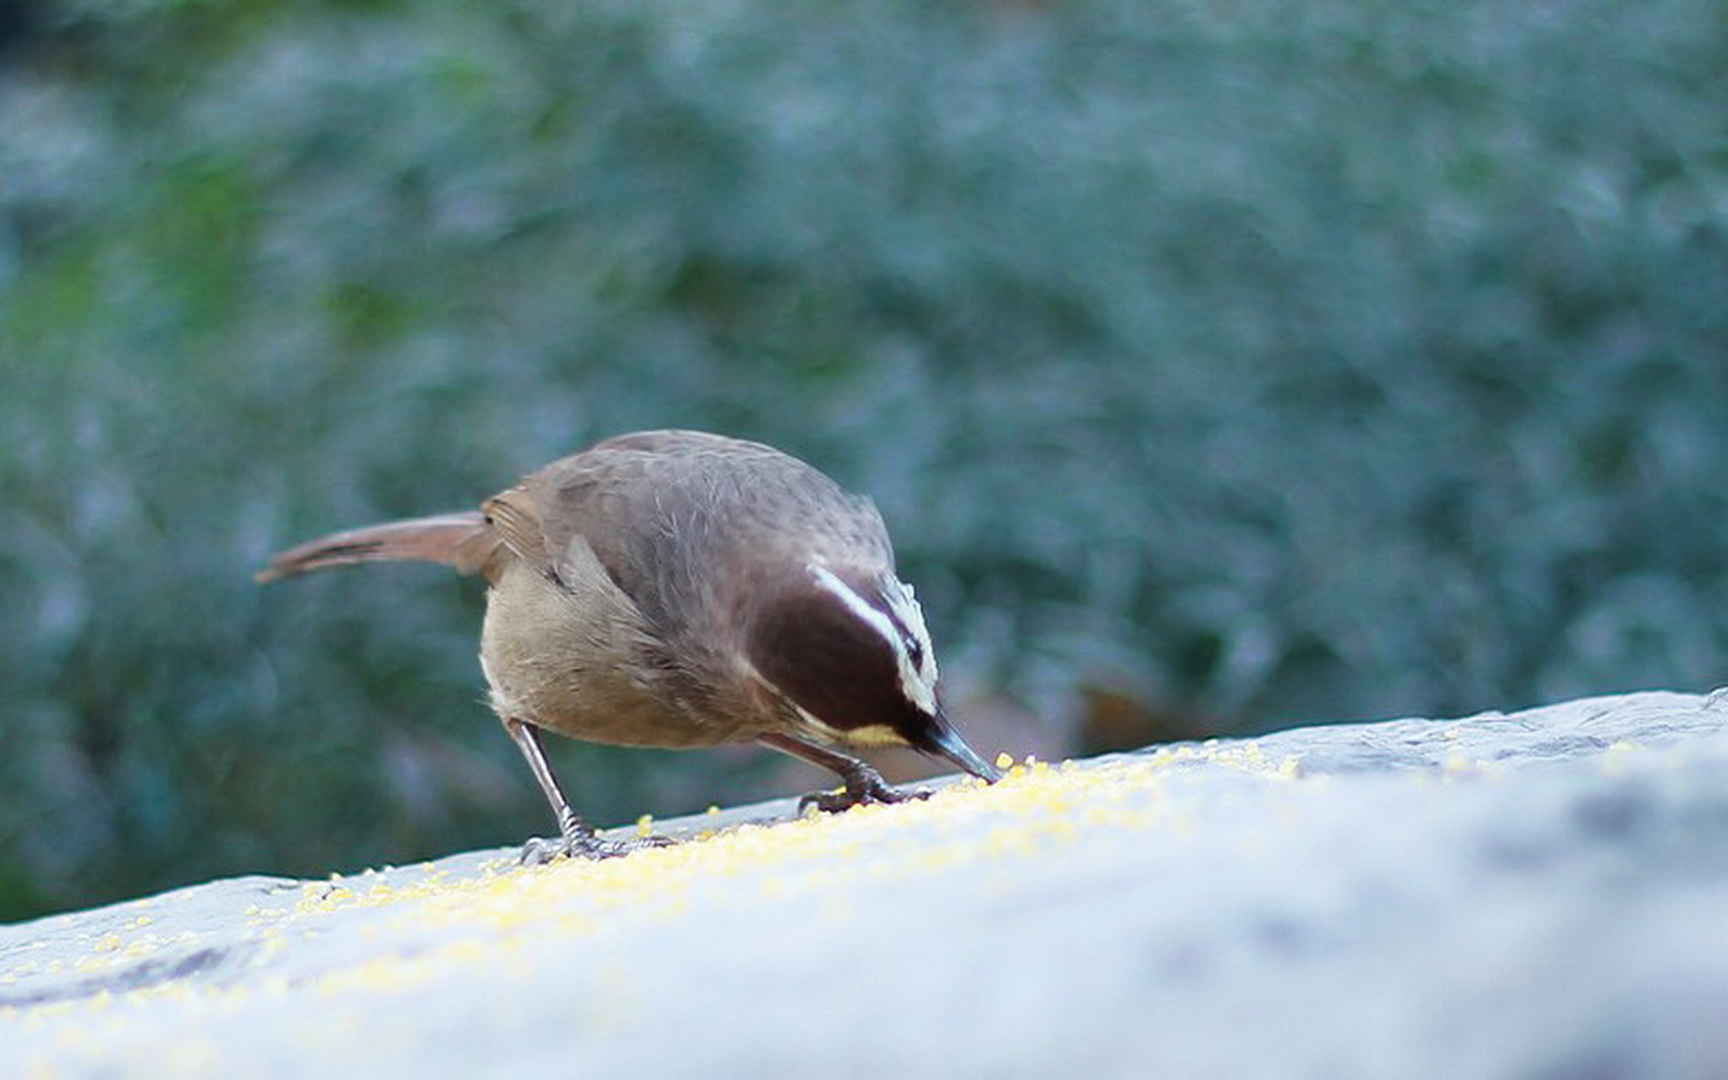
[462, 540]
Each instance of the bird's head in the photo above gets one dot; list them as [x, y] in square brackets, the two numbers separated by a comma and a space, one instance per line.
[850, 653]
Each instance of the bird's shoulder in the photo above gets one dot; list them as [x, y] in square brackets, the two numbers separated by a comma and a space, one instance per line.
[657, 508]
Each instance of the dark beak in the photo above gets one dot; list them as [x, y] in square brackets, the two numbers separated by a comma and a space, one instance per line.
[943, 741]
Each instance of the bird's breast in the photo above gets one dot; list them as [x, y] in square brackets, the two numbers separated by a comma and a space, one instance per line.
[580, 660]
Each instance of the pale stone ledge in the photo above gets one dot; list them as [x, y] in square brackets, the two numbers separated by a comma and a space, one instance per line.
[1536, 894]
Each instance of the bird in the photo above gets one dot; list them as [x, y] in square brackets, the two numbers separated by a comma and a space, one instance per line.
[682, 589]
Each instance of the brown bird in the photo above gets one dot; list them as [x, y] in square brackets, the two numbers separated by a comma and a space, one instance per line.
[680, 589]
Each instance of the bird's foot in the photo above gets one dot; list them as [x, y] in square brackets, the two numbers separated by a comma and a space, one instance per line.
[860, 791]
[538, 851]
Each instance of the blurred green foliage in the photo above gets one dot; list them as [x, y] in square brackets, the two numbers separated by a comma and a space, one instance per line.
[1267, 362]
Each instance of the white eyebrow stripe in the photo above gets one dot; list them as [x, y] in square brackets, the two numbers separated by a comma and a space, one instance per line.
[883, 624]
[906, 606]
[912, 681]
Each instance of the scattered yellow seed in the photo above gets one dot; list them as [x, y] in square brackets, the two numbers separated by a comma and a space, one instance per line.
[1045, 808]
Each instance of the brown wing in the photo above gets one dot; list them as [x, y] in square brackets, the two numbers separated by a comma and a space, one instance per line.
[669, 513]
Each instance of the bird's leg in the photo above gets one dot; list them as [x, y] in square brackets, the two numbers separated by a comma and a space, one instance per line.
[578, 839]
[863, 783]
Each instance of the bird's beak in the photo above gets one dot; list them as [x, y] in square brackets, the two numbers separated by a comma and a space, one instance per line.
[945, 742]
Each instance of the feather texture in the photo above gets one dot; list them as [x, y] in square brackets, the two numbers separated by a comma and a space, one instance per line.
[463, 540]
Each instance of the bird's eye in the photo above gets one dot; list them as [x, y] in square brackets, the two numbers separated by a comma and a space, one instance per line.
[915, 652]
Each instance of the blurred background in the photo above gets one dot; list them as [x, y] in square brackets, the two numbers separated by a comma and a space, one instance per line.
[1218, 367]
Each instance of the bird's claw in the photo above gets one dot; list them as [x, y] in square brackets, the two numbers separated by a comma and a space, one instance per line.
[876, 792]
[538, 851]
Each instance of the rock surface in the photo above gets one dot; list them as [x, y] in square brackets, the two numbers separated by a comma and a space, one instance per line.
[1536, 894]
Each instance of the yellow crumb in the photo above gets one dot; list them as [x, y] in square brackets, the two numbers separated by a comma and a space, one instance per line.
[504, 915]
[645, 825]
